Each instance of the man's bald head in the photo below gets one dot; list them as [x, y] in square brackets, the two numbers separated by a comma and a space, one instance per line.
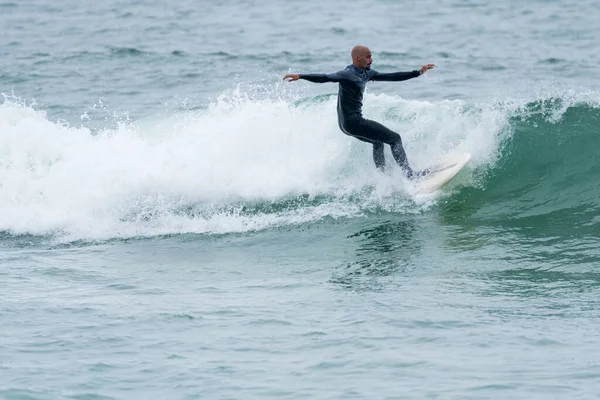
[361, 57]
[359, 51]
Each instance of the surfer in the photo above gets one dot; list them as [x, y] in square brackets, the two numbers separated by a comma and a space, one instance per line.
[352, 82]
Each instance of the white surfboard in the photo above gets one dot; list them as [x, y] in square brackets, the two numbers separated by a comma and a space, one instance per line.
[442, 172]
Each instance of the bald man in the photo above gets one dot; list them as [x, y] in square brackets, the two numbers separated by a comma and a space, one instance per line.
[352, 82]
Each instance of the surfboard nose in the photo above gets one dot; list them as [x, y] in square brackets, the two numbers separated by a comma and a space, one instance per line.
[442, 172]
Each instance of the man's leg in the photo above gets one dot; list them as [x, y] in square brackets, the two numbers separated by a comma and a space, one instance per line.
[374, 132]
[400, 156]
[378, 155]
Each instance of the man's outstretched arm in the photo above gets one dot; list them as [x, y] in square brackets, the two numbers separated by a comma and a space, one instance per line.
[316, 78]
[401, 76]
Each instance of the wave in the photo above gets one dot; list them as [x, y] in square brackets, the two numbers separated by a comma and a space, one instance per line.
[246, 164]
[546, 173]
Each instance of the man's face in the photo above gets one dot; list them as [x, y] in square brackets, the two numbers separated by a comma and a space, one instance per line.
[365, 60]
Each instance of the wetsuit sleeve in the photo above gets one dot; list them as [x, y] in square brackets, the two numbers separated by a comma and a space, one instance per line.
[395, 76]
[322, 78]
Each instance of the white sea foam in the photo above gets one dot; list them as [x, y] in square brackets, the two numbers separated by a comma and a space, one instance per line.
[138, 179]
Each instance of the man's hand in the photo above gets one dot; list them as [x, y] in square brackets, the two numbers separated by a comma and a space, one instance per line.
[425, 68]
[291, 77]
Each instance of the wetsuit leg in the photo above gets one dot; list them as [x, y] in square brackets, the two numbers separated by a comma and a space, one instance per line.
[374, 132]
[378, 155]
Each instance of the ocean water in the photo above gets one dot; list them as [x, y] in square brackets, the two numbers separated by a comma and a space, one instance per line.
[176, 222]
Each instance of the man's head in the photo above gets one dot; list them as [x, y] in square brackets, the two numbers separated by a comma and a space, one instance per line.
[361, 57]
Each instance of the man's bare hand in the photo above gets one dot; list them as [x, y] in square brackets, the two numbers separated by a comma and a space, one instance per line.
[425, 68]
[291, 77]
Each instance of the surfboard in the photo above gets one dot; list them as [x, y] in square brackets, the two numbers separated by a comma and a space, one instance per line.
[442, 172]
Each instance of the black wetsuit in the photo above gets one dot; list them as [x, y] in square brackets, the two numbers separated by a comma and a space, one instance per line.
[352, 82]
